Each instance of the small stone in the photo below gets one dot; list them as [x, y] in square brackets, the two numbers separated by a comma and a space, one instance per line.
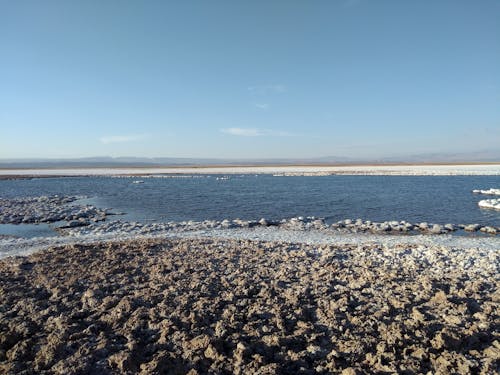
[449, 227]
[263, 222]
[349, 371]
[439, 297]
[423, 226]
[472, 227]
[436, 229]
[211, 353]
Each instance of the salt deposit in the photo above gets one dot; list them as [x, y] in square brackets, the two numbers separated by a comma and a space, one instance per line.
[487, 192]
[490, 203]
[295, 233]
[409, 170]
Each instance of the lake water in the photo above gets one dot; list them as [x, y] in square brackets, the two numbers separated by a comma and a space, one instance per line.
[28, 230]
[438, 199]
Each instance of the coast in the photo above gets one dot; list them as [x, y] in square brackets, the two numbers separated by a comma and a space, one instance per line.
[76, 222]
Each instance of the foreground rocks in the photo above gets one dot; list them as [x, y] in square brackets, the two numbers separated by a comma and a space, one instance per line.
[232, 306]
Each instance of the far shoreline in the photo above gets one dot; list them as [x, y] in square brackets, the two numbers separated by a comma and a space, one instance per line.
[402, 169]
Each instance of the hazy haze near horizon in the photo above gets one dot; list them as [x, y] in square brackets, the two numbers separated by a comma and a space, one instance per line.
[276, 79]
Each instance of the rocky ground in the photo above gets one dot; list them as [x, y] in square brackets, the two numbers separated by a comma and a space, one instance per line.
[249, 307]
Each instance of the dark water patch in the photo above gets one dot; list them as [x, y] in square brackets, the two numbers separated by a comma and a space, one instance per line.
[27, 230]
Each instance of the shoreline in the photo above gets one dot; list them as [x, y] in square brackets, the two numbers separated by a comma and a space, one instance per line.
[75, 221]
[221, 297]
[22, 247]
[306, 170]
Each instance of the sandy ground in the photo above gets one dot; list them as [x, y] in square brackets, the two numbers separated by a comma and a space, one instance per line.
[444, 169]
[208, 305]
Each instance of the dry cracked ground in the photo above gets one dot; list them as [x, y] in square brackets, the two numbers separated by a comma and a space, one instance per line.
[247, 307]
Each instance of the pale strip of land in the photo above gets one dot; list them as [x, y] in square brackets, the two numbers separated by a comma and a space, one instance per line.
[312, 170]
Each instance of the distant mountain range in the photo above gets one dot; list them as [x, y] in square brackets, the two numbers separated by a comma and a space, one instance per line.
[107, 161]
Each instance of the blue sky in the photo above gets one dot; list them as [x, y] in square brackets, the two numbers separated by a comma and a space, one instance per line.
[235, 79]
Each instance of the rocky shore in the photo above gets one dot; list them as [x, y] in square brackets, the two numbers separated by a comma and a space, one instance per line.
[249, 307]
[76, 219]
[296, 223]
[49, 209]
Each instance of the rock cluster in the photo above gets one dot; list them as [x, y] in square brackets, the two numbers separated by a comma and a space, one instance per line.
[206, 306]
[296, 223]
[48, 209]
[394, 227]
[402, 227]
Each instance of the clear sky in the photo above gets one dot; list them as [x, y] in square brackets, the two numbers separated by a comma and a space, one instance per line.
[243, 79]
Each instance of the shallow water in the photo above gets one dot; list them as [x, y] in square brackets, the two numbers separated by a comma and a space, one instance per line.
[439, 199]
[27, 230]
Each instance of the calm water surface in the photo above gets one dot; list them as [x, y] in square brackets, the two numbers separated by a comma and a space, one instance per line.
[439, 199]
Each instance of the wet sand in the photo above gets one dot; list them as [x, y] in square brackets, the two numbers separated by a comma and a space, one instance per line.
[218, 306]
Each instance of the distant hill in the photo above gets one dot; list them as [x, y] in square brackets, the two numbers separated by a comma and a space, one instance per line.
[103, 162]
[107, 161]
[469, 157]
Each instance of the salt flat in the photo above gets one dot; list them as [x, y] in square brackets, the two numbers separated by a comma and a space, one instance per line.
[403, 170]
[227, 306]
